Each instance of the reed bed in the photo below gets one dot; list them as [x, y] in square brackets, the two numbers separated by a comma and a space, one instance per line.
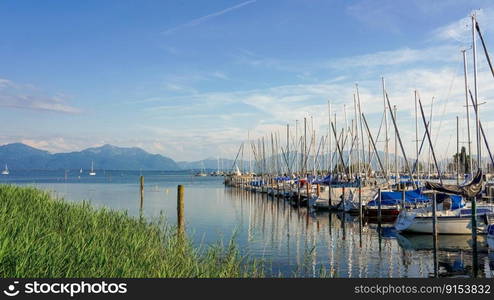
[41, 236]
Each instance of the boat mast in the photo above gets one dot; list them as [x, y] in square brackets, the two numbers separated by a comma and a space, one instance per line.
[457, 150]
[468, 111]
[305, 147]
[356, 135]
[288, 149]
[361, 128]
[475, 91]
[386, 146]
[430, 146]
[416, 137]
[330, 140]
[345, 139]
[396, 149]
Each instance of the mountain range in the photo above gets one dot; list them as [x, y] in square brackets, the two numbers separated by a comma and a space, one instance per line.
[21, 156]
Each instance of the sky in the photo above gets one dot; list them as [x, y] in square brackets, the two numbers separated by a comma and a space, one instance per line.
[194, 79]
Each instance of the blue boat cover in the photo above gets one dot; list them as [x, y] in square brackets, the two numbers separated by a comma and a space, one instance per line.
[395, 198]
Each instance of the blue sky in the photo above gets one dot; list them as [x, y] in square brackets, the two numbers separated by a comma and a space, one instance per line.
[188, 79]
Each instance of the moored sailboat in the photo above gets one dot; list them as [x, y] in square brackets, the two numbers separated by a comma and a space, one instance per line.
[6, 170]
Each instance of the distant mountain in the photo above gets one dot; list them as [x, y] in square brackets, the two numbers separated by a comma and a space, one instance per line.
[20, 156]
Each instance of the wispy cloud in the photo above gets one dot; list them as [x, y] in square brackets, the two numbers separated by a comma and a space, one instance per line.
[400, 57]
[28, 97]
[203, 19]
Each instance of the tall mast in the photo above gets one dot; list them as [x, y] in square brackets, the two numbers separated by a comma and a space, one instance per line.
[288, 149]
[386, 146]
[361, 128]
[305, 146]
[356, 135]
[396, 148]
[457, 150]
[465, 73]
[417, 169]
[430, 146]
[346, 138]
[330, 165]
[475, 86]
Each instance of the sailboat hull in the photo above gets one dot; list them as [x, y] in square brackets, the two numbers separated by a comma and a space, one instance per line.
[445, 225]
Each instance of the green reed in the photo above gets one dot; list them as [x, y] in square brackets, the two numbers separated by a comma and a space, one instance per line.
[41, 236]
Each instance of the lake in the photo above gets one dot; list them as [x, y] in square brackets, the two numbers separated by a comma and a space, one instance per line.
[290, 240]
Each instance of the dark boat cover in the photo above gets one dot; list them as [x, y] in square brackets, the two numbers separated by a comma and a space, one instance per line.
[471, 189]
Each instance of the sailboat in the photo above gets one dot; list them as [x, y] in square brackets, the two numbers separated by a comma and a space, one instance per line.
[202, 173]
[92, 173]
[6, 170]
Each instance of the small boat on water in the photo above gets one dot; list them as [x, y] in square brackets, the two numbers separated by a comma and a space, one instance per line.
[92, 173]
[6, 170]
[449, 221]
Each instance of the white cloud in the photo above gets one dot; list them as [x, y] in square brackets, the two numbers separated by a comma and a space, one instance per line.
[28, 97]
[399, 57]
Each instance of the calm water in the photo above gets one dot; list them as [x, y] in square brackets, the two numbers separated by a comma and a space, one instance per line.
[290, 239]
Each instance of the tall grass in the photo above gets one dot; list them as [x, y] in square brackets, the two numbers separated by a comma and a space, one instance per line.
[45, 237]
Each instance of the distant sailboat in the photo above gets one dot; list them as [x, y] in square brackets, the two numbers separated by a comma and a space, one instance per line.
[202, 173]
[80, 171]
[6, 170]
[92, 173]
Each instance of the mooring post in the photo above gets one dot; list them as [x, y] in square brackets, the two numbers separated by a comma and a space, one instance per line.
[434, 232]
[142, 193]
[379, 212]
[180, 209]
[360, 202]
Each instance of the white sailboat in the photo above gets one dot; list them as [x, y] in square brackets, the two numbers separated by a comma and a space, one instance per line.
[449, 221]
[92, 173]
[6, 170]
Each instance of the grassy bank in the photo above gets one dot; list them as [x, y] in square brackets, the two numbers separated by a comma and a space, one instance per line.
[45, 237]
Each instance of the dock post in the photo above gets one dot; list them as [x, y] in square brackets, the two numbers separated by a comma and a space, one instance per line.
[141, 193]
[379, 212]
[360, 202]
[180, 210]
[434, 232]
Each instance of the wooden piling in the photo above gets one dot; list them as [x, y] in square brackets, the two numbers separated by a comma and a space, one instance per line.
[142, 193]
[379, 212]
[180, 209]
[434, 233]
[360, 202]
